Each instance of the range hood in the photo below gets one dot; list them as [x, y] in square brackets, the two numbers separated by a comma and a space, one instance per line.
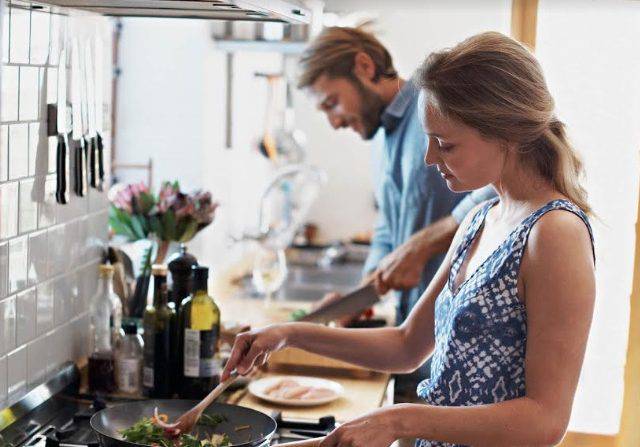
[289, 11]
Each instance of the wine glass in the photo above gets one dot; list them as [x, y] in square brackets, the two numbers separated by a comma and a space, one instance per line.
[269, 271]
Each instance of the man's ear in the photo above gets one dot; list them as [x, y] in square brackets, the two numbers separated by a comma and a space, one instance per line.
[363, 67]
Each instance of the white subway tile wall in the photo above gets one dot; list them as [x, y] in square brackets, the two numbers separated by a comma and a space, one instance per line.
[49, 253]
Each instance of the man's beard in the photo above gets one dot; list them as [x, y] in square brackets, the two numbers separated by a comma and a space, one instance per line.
[371, 109]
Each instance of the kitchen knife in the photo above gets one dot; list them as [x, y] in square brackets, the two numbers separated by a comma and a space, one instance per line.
[86, 141]
[76, 144]
[99, 105]
[61, 150]
[91, 116]
[351, 304]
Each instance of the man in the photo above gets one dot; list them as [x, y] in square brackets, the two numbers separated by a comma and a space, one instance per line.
[350, 75]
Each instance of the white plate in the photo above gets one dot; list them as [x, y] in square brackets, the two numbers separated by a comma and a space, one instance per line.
[259, 387]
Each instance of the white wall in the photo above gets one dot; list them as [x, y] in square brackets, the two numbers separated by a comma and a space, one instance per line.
[590, 55]
[160, 98]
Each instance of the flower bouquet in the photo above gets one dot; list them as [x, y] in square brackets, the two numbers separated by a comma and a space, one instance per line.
[170, 216]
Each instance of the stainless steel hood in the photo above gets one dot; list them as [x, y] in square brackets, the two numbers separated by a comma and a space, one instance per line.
[289, 11]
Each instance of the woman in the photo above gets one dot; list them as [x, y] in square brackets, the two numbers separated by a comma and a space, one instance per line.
[506, 319]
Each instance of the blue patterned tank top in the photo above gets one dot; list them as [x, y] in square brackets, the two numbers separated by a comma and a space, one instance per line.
[481, 328]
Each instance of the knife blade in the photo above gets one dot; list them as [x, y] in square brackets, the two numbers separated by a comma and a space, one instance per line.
[61, 150]
[99, 105]
[76, 149]
[91, 116]
[350, 304]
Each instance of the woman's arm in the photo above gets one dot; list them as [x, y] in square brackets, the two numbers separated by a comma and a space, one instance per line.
[399, 349]
[558, 282]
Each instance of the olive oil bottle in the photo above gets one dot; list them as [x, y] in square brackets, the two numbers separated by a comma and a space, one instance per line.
[198, 335]
[159, 322]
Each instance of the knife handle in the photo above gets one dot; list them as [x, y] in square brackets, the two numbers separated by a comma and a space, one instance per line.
[78, 168]
[100, 161]
[93, 181]
[61, 180]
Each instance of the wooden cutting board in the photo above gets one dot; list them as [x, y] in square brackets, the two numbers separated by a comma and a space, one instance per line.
[361, 395]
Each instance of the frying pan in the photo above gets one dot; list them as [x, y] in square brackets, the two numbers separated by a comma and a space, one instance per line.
[108, 423]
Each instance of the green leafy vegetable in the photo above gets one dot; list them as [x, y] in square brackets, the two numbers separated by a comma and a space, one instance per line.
[298, 314]
[147, 433]
[211, 420]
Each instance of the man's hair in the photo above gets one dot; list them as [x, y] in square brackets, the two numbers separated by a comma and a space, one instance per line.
[333, 53]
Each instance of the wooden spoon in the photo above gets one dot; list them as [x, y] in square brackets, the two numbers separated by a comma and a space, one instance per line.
[188, 420]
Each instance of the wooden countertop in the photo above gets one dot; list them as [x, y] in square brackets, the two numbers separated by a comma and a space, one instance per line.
[364, 390]
[361, 395]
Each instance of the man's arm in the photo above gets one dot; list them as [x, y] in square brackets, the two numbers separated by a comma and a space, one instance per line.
[402, 269]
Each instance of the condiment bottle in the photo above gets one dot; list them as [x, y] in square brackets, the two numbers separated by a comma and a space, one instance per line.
[128, 358]
[198, 337]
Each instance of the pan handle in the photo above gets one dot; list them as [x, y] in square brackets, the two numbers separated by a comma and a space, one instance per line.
[315, 442]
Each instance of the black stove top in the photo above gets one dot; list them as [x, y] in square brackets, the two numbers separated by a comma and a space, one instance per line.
[52, 415]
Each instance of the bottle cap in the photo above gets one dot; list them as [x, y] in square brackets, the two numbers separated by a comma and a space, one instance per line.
[200, 273]
[130, 328]
[159, 270]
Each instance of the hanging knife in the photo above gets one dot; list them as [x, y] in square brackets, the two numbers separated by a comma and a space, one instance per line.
[76, 144]
[61, 150]
[91, 117]
[85, 117]
[99, 105]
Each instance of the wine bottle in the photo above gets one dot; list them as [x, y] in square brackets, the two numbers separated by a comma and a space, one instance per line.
[159, 330]
[199, 332]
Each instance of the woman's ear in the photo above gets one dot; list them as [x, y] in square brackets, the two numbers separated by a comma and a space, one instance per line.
[363, 67]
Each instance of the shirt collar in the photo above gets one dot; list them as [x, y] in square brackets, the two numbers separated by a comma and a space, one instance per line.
[398, 108]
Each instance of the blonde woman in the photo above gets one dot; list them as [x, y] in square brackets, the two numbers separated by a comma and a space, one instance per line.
[507, 316]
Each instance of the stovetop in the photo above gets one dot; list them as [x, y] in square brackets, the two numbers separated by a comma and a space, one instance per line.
[52, 415]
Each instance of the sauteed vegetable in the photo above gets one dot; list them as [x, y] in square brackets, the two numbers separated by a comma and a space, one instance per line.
[146, 431]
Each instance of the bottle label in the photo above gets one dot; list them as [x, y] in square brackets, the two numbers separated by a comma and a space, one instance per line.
[128, 373]
[147, 377]
[199, 353]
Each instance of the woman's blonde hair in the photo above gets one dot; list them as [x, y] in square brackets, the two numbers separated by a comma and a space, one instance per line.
[494, 84]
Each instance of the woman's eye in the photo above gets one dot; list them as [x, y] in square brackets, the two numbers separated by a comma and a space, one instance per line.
[446, 147]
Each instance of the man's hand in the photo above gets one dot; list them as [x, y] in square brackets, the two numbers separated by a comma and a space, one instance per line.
[334, 296]
[402, 268]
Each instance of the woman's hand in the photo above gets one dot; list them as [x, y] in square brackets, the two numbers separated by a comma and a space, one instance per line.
[376, 429]
[253, 348]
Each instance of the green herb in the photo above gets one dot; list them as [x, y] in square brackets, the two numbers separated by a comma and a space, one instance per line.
[298, 314]
[147, 433]
[211, 420]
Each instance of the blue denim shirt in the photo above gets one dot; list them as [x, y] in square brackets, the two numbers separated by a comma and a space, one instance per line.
[410, 195]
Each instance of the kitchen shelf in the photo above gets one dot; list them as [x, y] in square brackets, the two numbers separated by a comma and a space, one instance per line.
[282, 47]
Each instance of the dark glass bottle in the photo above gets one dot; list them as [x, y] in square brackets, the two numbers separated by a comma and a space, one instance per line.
[159, 322]
[180, 265]
[199, 332]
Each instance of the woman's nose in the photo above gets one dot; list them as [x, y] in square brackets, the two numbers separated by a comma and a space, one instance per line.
[431, 154]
